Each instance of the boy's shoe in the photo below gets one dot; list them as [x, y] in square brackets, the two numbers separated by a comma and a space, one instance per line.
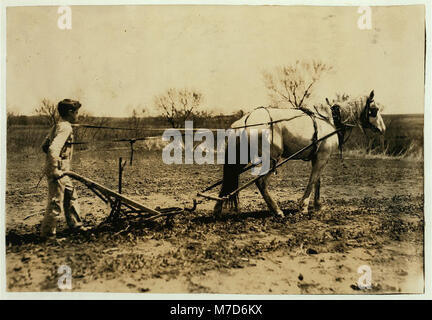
[79, 227]
[48, 237]
[51, 239]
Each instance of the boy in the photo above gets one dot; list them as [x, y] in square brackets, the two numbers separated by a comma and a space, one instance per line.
[61, 193]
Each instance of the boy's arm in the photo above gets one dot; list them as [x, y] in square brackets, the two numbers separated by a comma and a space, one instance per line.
[46, 142]
[62, 134]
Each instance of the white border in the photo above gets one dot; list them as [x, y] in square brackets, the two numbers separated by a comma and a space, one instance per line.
[3, 152]
[427, 156]
[355, 3]
[137, 296]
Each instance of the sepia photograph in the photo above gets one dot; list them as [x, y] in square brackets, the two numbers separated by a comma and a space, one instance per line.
[271, 150]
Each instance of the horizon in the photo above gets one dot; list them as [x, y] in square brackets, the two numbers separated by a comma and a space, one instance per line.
[212, 115]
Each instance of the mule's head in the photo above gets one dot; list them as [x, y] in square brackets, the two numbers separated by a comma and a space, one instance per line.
[371, 117]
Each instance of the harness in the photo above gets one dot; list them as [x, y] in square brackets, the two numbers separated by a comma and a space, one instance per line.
[273, 161]
[271, 123]
[312, 115]
[337, 120]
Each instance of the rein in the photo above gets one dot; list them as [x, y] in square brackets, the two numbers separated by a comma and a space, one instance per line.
[266, 123]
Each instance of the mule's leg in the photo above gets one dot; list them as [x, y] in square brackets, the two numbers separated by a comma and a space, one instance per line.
[318, 164]
[317, 202]
[262, 187]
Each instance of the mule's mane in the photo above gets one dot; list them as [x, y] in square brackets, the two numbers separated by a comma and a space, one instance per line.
[350, 109]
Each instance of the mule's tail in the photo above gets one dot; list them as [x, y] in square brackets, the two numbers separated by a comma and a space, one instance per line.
[231, 173]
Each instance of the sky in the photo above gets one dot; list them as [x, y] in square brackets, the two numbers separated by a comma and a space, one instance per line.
[118, 58]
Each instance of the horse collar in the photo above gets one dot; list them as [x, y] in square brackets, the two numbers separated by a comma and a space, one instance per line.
[337, 120]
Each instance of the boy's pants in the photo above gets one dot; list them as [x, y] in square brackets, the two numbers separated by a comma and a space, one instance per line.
[61, 197]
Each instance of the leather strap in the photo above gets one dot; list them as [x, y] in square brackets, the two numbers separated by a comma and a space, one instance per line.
[274, 162]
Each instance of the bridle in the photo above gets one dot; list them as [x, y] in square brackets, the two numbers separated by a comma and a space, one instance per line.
[367, 113]
[343, 127]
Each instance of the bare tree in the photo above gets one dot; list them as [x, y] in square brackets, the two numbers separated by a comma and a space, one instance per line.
[294, 83]
[136, 120]
[342, 97]
[48, 110]
[85, 117]
[178, 105]
[323, 109]
[203, 117]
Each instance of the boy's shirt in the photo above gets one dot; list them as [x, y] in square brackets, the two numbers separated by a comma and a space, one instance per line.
[59, 152]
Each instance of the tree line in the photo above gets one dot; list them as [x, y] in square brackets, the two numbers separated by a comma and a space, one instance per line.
[288, 86]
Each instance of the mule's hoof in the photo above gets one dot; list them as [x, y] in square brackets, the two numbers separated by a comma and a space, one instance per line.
[303, 209]
[301, 206]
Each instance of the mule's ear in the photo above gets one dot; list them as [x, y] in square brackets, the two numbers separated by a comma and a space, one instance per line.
[328, 102]
[371, 95]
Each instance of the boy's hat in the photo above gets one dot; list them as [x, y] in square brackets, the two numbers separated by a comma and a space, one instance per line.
[68, 104]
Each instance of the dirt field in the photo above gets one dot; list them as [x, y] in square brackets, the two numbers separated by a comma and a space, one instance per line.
[372, 215]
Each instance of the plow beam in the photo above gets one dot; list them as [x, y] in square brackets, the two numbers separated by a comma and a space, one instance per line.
[110, 193]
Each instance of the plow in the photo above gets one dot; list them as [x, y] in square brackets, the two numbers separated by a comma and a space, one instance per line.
[121, 204]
